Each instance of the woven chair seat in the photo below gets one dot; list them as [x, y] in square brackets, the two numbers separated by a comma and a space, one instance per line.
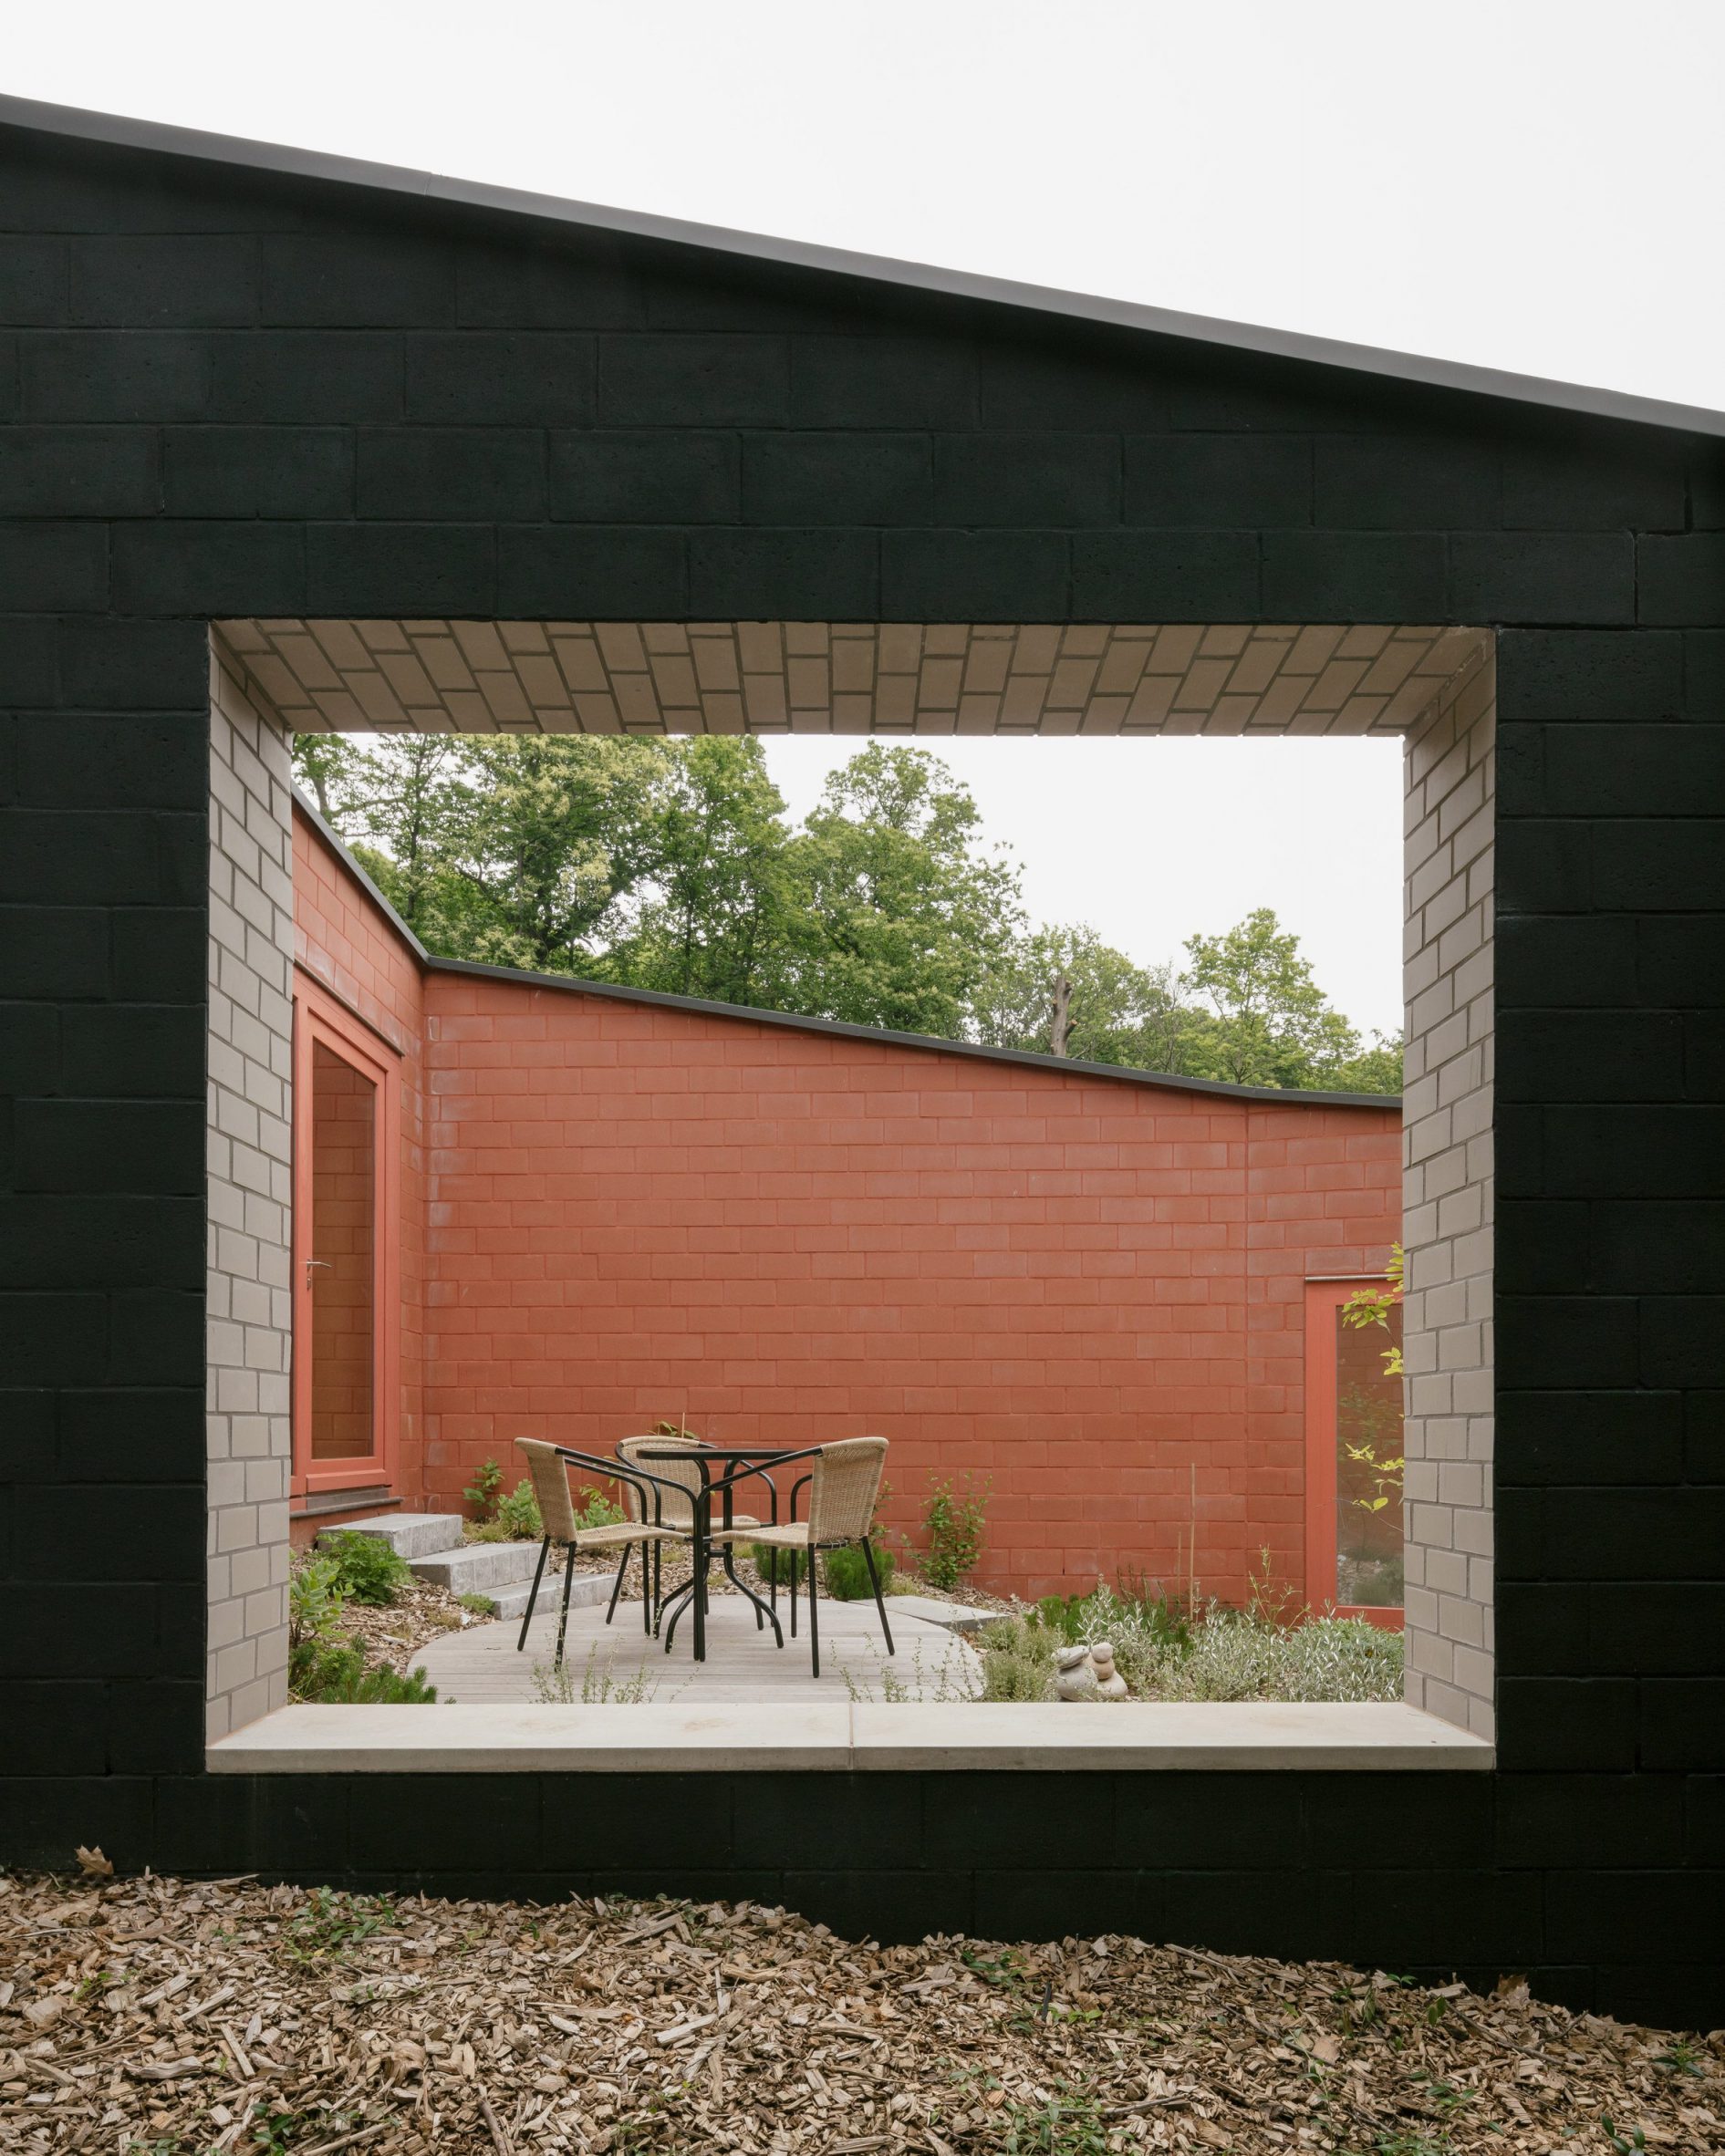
[628, 1530]
[793, 1536]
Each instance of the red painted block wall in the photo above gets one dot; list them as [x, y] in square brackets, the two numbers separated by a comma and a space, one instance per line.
[1088, 1290]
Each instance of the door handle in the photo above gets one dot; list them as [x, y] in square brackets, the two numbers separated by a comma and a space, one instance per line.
[316, 1264]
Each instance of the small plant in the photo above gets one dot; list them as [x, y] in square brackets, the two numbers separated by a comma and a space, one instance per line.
[953, 1522]
[314, 1600]
[1064, 2126]
[1018, 1660]
[478, 1605]
[1680, 2057]
[599, 1511]
[483, 1491]
[369, 1570]
[1625, 2140]
[332, 1922]
[518, 1514]
[783, 1567]
[279, 2132]
[1372, 1306]
[555, 1684]
[337, 1675]
[1005, 1971]
[1064, 1616]
[844, 1574]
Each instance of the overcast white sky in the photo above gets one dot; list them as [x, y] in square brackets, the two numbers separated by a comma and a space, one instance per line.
[1530, 184]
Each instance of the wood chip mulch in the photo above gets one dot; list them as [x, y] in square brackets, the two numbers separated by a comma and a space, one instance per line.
[394, 1632]
[178, 2019]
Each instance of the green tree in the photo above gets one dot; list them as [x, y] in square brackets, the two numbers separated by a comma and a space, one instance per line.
[895, 909]
[514, 851]
[714, 920]
[669, 864]
[1261, 1019]
[1376, 1069]
[561, 828]
[1119, 1012]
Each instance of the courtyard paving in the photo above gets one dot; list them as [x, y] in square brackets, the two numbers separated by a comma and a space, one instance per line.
[481, 1666]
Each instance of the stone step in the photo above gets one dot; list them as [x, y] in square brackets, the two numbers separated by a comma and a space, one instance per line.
[478, 1568]
[408, 1534]
[585, 1589]
[955, 1616]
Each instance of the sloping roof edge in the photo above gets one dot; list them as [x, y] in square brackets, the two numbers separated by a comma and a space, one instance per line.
[793, 1022]
[122, 132]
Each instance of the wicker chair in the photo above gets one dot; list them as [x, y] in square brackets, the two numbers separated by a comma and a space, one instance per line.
[844, 1486]
[549, 1467]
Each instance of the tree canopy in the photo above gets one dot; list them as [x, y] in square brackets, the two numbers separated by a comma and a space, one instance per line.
[671, 864]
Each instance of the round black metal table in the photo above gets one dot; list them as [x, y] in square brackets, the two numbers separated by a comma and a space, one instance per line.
[741, 1463]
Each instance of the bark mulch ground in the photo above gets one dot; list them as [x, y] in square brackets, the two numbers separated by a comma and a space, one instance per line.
[177, 2017]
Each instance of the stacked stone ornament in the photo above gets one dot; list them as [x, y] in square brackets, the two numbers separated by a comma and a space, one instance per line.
[1074, 1677]
[1088, 1672]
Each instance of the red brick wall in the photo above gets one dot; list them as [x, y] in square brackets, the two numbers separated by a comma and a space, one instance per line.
[1090, 1289]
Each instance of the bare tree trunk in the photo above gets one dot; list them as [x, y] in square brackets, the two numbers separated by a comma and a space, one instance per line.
[1060, 1016]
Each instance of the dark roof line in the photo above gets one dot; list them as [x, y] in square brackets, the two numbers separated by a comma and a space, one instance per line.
[1283, 344]
[793, 1022]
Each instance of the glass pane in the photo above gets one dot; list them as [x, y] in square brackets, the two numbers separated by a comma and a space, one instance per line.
[344, 1107]
[1368, 1570]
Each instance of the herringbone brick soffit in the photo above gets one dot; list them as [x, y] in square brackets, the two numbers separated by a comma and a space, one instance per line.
[847, 678]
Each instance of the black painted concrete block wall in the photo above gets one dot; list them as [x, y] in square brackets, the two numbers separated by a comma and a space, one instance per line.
[223, 393]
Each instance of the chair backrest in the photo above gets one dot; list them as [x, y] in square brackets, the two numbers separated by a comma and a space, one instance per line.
[550, 1487]
[843, 1488]
[675, 1509]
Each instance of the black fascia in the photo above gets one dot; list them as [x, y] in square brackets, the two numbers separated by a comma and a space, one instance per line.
[118, 130]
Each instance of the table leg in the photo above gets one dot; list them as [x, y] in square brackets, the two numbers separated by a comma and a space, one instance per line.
[698, 1553]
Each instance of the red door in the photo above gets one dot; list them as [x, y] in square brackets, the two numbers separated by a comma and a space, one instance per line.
[347, 1274]
[1352, 1459]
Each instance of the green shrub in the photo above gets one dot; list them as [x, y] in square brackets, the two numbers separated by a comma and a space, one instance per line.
[518, 1514]
[314, 1600]
[783, 1565]
[1234, 1655]
[368, 1570]
[1063, 1614]
[1018, 1660]
[478, 1605]
[844, 1574]
[333, 1674]
[598, 1512]
[483, 1491]
[952, 1521]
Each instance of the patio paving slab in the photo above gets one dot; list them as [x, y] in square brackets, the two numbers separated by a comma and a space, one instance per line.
[480, 1665]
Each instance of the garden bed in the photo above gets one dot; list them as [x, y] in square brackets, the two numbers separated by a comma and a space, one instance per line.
[179, 2018]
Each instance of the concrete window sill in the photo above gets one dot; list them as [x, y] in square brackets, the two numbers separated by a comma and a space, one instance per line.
[845, 1737]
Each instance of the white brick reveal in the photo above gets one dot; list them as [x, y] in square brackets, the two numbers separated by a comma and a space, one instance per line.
[249, 1187]
[1447, 1198]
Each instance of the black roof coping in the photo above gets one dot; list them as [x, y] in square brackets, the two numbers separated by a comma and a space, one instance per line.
[120, 131]
[792, 1022]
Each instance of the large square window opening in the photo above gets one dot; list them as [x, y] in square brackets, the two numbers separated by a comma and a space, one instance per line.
[313, 1285]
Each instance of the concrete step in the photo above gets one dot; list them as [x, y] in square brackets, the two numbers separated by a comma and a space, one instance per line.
[478, 1568]
[585, 1589]
[408, 1534]
[955, 1616]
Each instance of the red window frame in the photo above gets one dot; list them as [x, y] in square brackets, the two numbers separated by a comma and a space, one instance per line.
[1322, 1299]
[319, 1018]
